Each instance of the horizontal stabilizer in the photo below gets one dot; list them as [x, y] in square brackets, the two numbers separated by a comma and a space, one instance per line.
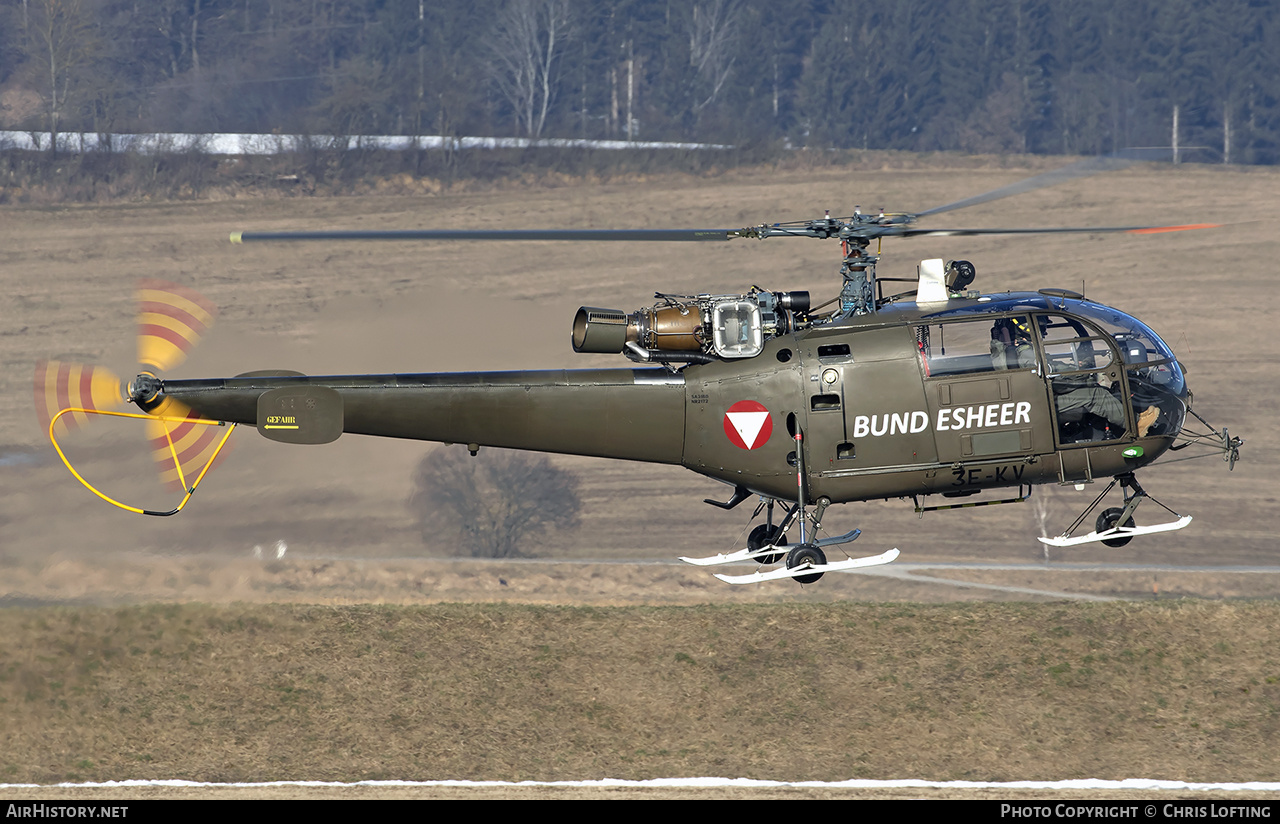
[272, 373]
[301, 414]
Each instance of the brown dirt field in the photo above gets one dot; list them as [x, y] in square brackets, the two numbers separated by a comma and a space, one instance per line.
[341, 508]
[132, 578]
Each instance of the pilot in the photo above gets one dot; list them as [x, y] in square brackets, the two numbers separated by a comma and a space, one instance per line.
[1011, 344]
[1071, 394]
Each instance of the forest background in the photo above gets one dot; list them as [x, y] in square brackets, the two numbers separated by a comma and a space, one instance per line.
[983, 76]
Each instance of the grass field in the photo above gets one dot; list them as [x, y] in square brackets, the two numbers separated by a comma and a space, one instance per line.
[988, 692]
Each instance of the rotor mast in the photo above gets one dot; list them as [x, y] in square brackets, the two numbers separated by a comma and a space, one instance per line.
[858, 279]
[858, 267]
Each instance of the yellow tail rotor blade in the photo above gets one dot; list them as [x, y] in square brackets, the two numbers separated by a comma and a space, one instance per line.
[171, 320]
[185, 446]
[63, 385]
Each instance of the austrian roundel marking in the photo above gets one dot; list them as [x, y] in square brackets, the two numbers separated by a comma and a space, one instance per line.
[748, 424]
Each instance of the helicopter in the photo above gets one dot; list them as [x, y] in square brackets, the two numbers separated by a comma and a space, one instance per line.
[937, 389]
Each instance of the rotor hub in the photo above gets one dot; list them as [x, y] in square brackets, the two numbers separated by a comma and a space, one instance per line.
[144, 391]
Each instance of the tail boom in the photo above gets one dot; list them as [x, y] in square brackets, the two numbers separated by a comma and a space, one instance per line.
[629, 414]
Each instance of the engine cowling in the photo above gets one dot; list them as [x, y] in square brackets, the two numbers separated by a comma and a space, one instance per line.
[686, 328]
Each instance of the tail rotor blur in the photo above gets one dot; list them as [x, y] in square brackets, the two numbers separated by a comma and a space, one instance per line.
[65, 385]
[171, 320]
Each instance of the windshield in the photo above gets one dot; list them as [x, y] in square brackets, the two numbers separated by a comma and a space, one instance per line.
[1146, 356]
[1154, 376]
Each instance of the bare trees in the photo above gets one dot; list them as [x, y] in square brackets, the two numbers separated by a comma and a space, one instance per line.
[494, 505]
[712, 52]
[60, 38]
[524, 45]
[996, 76]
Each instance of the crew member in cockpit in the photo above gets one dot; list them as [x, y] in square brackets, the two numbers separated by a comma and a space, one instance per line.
[1011, 344]
[1011, 348]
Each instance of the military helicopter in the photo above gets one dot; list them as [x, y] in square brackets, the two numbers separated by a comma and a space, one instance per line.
[876, 394]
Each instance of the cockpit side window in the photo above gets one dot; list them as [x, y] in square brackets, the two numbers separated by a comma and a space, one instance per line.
[1072, 347]
[1156, 388]
[1086, 389]
[963, 347]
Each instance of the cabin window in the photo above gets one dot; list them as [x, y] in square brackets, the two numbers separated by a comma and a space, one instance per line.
[965, 347]
[1072, 348]
[1087, 397]
[1086, 354]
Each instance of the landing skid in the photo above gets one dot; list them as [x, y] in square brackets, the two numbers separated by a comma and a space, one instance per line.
[767, 544]
[766, 551]
[1115, 527]
[805, 562]
[807, 569]
[1117, 532]
[733, 557]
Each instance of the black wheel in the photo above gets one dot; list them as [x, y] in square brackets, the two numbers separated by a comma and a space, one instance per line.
[1108, 520]
[763, 536]
[806, 553]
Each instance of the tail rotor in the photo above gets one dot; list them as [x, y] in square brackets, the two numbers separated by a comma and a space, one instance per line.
[171, 320]
[76, 386]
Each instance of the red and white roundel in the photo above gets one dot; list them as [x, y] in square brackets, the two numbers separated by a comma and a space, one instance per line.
[748, 425]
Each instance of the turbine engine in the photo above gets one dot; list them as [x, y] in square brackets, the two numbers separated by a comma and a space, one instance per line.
[691, 329]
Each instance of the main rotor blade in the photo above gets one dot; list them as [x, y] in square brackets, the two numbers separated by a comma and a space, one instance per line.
[499, 234]
[1083, 168]
[1137, 230]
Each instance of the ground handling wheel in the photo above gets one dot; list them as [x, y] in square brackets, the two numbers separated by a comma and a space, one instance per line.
[806, 553]
[762, 536]
[1109, 519]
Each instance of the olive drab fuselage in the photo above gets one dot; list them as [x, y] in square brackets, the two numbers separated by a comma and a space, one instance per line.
[915, 399]
[883, 417]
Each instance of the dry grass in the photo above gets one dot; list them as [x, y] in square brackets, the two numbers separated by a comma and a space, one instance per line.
[74, 579]
[991, 692]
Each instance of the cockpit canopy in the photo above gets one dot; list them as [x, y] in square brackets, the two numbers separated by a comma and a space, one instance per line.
[1059, 319]
[1081, 348]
